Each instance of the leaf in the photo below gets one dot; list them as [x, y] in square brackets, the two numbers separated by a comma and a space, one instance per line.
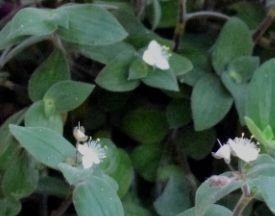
[208, 194]
[36, 117]
[114, 76]
[54, 69]
[45, 145]
[263, 166]
[209, 102]
[236, 80]
[265, 186]
[180, 65]
[165, 80]
[35, 21]
[6, 137]
[138, 69]
[175, 197]
[155, 13]
[261, 93]
[256, 131]
[123, 174]
[21, 177]
[90, 25]
[66, 95]
[146, 158]
[178, 113]
[234, 41]
[197, 145]
[104, 54]
[96, 198]
[9, 206]
[214, 210]
[145, 124]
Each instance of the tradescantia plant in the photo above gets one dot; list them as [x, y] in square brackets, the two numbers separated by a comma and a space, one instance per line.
[119, 107]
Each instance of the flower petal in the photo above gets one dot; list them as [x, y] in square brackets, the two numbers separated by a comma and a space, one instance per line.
[224, 152]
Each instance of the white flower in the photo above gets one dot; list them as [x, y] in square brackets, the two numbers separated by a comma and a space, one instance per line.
[79, 133]
[224, 152]
[156, 55]
[244, 148]
[92, 153]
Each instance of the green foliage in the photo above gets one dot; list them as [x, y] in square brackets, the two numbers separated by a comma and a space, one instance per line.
[210, 102]
[84, 64]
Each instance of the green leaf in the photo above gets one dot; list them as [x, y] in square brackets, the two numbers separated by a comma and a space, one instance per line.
[21, 177]
[114, 76]
[146, 159]
[6, 137]
[180, 65]
[90, 25]
[9, 206]
[36, 117]
[35, 21]
[66, 95]
[138, 69]
[178, 113]
[165, 80]
[209, 102]
[265, 186]
[54, 69]
[155, 13]
[104, 54]
[261, 96]
[207, 194]
[263, 166]
[197, 145]
[234, 41]
[250, 12]
[256, 131]
[214, 210]
[45, 145]
[175, 197]
[96, 198]
[123, 174]
[145, 124]
[236, 80]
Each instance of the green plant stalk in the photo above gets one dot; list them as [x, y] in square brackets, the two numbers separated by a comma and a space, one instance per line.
[200, 14]
[243, 201]
[181, 23]
[19, 48]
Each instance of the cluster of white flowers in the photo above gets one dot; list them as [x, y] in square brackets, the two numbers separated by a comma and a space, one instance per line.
[241, 147]
[90, 150]
[157, 55]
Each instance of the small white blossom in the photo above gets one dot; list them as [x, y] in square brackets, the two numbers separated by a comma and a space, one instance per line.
[243, 148]
[157, 55]
[224, 152]
[91, 152]
[79, 134]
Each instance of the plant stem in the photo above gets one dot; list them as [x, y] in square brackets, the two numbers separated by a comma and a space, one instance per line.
[264, 25]
[206, 14]
[181, 23]
[26, 43]
[243, 201]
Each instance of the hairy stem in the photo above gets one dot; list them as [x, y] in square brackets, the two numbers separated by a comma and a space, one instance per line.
[19, 48]
[264, 25]
[180, 26]
[200, 14]
[243, 201]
